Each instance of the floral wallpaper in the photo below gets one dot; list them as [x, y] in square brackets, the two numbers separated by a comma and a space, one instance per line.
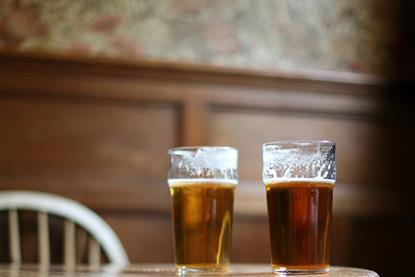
[341, 35]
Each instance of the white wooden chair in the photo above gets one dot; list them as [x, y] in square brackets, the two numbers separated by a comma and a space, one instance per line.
[73, 213]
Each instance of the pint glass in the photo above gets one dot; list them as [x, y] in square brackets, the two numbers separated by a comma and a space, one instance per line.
[202, 182]
[299, 179]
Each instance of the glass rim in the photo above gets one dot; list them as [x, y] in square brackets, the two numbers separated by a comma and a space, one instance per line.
[299, 143]
[194, 148]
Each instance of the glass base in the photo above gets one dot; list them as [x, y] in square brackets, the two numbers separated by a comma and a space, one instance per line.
[195, 268]
[281, 270]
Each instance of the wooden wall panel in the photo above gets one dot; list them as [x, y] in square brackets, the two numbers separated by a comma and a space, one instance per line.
[112, 151]
[97, 131]
[75, 140]
[358, 157]
[250, 242]
[146, 237]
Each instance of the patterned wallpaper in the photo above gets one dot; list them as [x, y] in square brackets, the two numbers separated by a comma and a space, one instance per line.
[341, 35]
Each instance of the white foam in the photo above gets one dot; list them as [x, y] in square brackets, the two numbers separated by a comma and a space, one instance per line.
[289, 180]
[179, 182]
[299, 161]
[221, 158]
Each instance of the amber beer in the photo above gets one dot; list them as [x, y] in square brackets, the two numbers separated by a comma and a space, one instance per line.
[202, 181]
[299, 178]
[202, 219]
[299, 213]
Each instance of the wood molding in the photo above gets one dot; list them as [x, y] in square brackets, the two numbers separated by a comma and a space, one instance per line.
[85, 79]
[327, 81]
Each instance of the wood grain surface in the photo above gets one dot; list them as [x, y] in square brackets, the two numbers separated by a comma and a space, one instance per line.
[97, 131]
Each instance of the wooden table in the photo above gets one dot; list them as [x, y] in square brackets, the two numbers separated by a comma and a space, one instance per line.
[161, 270]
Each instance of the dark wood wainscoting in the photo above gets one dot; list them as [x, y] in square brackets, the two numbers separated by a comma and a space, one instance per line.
[97, 131]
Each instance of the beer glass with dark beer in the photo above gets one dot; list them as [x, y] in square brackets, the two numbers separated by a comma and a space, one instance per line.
[299, 179]
[202, 182]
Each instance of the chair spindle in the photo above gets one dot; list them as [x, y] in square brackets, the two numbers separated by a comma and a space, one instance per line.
[94, 254]
[14, 236]
[43, 239]
[69, 247]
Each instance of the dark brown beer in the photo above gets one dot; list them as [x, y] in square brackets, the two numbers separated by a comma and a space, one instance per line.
[202, 218]
[300, 218]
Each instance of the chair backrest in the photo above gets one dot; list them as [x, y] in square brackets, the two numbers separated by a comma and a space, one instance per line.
[73, 213]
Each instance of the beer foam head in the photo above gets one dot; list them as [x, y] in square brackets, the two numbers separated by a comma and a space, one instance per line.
[206, 162]
[183, 182]
[298, 180]
[299, 159]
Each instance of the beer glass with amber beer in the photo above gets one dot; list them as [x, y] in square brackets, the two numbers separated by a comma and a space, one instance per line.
[202, 182]
[299, 179]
